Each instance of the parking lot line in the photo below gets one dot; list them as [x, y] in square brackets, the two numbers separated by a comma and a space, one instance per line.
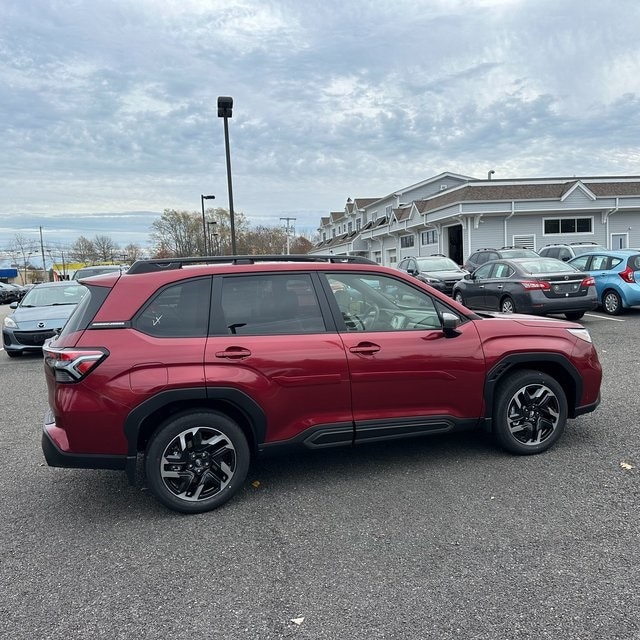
[595, 315]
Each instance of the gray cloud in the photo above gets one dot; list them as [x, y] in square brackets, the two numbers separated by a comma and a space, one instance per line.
[109, 106]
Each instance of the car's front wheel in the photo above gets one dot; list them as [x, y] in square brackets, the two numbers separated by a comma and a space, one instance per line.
[612, 303]
[530, 412]
[457, 296]
[197, 461]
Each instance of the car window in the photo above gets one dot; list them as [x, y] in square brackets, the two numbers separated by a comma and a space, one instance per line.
[178, 311]
[599, 262]
[274, 304]
[381, 303]
[481, 258]
[502, 270]
[581, 262]
[484, 271]
[634, 262]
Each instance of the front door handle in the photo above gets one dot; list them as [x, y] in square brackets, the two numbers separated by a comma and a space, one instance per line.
[233, 353]
[365, 348]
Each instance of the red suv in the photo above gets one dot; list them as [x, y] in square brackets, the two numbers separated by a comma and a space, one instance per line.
[198, 364]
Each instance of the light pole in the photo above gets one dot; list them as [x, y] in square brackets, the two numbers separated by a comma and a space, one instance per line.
[225, 109]
[213, 237]
[204, 223]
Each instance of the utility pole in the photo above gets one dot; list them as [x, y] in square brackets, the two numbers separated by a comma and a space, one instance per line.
[44, 268]
[289, 228]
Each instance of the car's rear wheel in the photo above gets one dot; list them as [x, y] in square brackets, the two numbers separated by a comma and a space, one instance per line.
[574, 316]
[458, 297]
[611, 303]
[530, 412]
[197, 461]
[507, 305]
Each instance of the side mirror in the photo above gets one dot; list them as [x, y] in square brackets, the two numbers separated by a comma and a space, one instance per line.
[467, 276]
[450, 324]
[13, 305]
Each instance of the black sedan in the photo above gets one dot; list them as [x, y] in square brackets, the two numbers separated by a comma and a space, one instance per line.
[438, 271]
[528, 285]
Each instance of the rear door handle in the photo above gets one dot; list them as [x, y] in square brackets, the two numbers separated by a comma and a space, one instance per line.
[233, 353]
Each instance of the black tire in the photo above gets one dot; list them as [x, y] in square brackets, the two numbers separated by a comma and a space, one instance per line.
[457, 296]
[574, 316]
[530, 412]
[507, 305]
[188, 472]
[611, 302]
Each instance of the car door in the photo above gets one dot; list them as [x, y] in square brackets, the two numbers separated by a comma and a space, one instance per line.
[407, 376]
[600, 267]
[269, 342]
[474, 287]
[497, 284]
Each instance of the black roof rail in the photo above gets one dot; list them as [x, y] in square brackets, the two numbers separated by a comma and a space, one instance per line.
[169, 264]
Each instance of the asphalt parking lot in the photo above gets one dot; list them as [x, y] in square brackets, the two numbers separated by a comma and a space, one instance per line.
[442, 537]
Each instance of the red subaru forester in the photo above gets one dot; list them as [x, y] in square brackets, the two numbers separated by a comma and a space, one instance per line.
[199, 364]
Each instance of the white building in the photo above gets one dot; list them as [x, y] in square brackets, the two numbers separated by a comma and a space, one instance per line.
[455, 215]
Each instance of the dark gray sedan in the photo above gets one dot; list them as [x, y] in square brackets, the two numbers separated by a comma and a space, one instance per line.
[537, 286]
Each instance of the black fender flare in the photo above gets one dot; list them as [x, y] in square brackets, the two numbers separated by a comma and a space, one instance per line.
[244, 404]
[497, 372]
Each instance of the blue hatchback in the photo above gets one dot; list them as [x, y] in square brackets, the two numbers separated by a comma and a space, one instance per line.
[617, 276]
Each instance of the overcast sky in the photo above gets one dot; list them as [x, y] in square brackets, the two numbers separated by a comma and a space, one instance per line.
[108, 107]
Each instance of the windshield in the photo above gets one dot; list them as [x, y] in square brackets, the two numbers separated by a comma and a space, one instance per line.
[437, 264]
[53, 295]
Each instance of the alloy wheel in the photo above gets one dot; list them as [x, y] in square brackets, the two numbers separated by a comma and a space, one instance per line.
[533, 414]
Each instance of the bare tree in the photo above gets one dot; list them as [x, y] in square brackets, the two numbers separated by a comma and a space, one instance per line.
[20, 251]
[179, 232]
[106, 248]
[83, 250]
[264, 240]
[132, 252]
[301, 245]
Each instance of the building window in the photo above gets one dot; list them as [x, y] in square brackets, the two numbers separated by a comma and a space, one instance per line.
[350, 227]
[554, 226]
[406, 242]
[429, 237]
[358, 224]
[333, 233]
[387, 210]
[377, 256]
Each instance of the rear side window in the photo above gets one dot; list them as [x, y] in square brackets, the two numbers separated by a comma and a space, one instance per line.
[180, 310]
[273, 304]
[86, 309]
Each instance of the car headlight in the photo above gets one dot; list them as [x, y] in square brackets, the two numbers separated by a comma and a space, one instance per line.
[430, 280]
[10, 323]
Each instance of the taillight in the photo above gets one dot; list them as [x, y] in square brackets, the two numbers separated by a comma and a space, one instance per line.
[543, 285]
[628, 275]
[588, 282]
[72, 365]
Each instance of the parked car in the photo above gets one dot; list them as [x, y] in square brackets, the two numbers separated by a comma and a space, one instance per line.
[565, 252]
[39, 316]
[617, 277]
[529, 285]
[98, 270]
[482, 256]
[199, 364]
[438, 271]
[9, 293]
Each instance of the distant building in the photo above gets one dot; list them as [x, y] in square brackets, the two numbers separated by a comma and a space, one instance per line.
[455, 215]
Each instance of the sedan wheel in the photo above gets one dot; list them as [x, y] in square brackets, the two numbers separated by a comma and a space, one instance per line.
[507, 305]
[197, 461]
[612, 303]
[458, 298]
[530, 412]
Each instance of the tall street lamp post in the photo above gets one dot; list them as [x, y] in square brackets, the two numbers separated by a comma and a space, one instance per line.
[225, 108]
[204, 222]
[212, 237]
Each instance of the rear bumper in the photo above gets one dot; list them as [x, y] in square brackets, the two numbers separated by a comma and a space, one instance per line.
[56, 457]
